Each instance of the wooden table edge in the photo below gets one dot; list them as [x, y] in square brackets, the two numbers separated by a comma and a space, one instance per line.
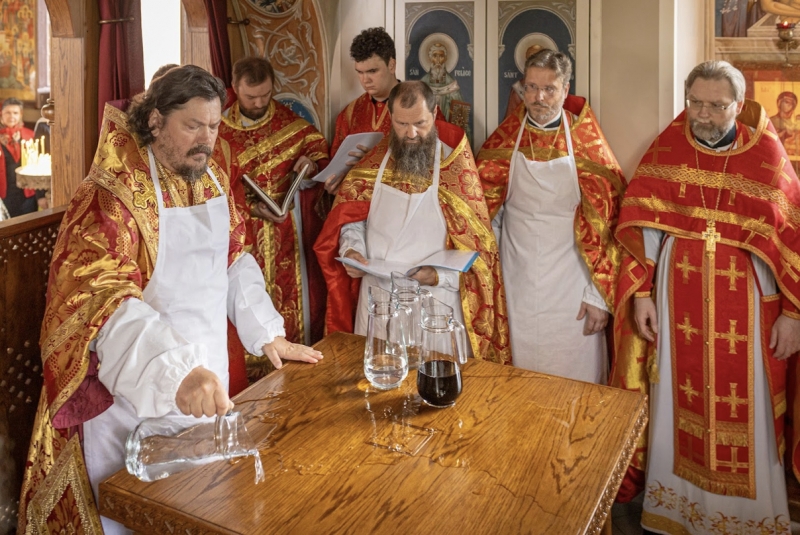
[150, 517]
[615, 481]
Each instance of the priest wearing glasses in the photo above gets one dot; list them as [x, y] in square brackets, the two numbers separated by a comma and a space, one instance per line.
[711, 271]
[553, 188]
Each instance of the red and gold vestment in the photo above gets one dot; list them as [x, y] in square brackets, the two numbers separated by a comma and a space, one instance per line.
[752, 196]
[105, 253]
[468, 227]
[267, 152]
[599, 178]
[14, 148]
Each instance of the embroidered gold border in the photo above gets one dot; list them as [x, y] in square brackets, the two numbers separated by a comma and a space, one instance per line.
[68, 471]
[735, 183]
[232, 117]
[268, 142]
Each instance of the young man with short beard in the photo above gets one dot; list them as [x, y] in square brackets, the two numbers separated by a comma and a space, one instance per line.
[416, 193]
[553, 188]
[263, 139]
[710, 257]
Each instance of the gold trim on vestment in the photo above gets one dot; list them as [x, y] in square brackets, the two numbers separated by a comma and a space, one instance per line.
[266, 144]
[734, 183]
[234, 119]
[789, 258]
[68, 471]
[298, 276]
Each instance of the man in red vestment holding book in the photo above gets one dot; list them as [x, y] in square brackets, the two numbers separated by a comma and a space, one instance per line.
[18, 201]
[414, 194]
[374, 55]
[711, 278]
[265, 140]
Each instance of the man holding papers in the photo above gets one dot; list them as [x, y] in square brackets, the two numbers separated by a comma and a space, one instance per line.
[374, 56]
[553, 188]
[415, 194]
[263, 139]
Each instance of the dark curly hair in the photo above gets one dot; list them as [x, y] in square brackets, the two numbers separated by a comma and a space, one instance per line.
[171, 92]
[372, 41]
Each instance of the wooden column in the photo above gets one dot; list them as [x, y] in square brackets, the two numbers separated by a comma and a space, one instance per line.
[73, 88]
[195, 47]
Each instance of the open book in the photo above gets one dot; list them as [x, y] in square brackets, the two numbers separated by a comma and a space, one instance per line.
[448, 259]
[295, 178]
[339, 165]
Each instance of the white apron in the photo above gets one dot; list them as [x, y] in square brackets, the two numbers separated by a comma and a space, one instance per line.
[407, 228]
[543, 271]
[188, 289]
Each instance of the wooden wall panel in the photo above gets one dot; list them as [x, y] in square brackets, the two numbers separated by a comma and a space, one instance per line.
[73, 76]
[26, 248]
[195, 47]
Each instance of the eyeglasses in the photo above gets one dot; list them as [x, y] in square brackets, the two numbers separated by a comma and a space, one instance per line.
[549, 90]
[698, 105]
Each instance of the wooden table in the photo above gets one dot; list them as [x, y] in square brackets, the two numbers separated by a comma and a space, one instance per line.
[520, 452]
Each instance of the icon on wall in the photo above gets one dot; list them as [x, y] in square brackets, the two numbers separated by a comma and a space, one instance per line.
[526, 27]
[439, 52]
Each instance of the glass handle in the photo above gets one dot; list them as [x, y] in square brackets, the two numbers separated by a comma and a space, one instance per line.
[461, 341]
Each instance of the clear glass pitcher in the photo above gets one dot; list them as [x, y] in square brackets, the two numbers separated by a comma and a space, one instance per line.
[410, 294]
[160, 447]
[444, 351]
[385, 356]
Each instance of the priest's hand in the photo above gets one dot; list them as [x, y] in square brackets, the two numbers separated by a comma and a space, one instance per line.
[280, 348]
[333, 182]
[596, 318]
[302, 161]
[785, 338]
[427, 276]
[358, 257]
[262, 211]
[644, 312]
[201, 393]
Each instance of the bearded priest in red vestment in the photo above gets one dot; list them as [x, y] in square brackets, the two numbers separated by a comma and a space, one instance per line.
[711, 271]
[553, 188]
[265, 140]
[148, 268]
[415, 194]
[374, 55]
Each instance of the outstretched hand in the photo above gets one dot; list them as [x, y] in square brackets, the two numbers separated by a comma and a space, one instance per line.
[280, 348]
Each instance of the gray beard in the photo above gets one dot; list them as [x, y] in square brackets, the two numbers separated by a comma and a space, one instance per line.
[708, 132]
[414, 160]
[437, 74]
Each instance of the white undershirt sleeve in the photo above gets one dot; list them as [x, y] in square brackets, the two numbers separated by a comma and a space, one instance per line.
[652, 243]
[143, 359]
[448, 279]
[497, 224]
[250, 307]
[353, 236]
[592, 297]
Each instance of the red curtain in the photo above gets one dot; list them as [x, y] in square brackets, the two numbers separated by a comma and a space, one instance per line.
[218, 39]
[121, 65]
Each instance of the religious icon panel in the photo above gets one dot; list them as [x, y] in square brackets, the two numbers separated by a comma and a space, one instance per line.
[18, 49]
[439, 50]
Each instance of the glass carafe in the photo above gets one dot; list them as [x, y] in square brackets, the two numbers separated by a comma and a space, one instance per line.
[160, 447]
[410, 294]
[385, 356]
[443, 352]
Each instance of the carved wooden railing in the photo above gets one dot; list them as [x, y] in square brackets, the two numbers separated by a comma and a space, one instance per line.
[26, 247]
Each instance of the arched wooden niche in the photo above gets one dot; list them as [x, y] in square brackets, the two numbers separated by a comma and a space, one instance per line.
[291, 35]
